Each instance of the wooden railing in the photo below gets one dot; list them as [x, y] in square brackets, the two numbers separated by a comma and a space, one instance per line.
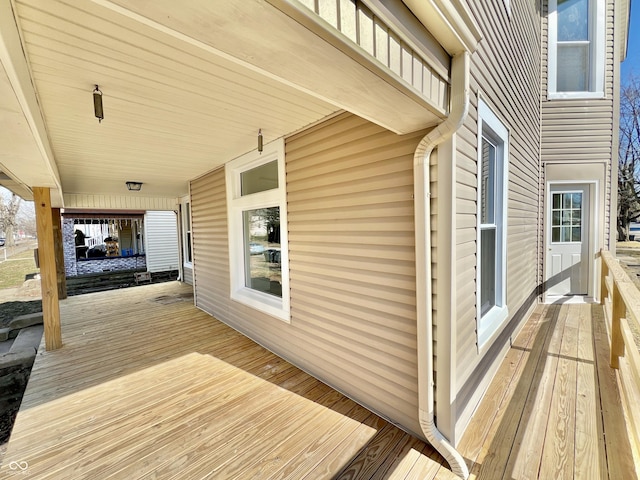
[621, 300]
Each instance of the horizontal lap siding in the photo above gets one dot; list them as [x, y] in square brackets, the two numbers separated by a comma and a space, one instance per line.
[188, 275]
[579, 131]
[351, 260]
[162, 249]
[506, 71]
[352, 263]
[210, 243]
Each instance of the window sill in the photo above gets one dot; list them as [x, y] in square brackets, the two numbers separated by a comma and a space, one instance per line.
[575, 96]
[262, 302]
[489, 326]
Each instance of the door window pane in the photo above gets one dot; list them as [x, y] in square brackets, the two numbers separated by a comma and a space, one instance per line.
[576, 233]
[259, 179]
[576, 200]
[566, 217]
[262, 250]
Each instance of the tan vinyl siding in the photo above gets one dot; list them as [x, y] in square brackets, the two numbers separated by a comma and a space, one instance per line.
[187, 273]
[209, 237]
[351, 258]
[505, 71]
[581, 131]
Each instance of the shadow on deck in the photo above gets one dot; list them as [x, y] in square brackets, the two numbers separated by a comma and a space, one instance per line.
[553, 409]
[148, 386]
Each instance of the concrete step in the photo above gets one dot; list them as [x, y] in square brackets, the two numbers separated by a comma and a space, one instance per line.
[5, 346]
[8, 360]
[26, 320]
[8, 333]
[28, 339]
[19, 322]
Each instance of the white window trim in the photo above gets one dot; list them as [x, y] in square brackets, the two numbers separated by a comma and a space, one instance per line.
[236, 204]
[489, 325]
[183, 230]
[507, 5]
[597, 32]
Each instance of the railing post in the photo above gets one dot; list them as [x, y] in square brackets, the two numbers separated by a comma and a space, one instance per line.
[618, 311]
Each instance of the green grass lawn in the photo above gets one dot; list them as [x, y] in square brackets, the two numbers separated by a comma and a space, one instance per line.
[14, 269]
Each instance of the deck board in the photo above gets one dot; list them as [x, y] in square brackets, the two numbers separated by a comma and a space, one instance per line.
[590, 459]
[148, 386]
[505, 399]
[558, 453]
[524, 457]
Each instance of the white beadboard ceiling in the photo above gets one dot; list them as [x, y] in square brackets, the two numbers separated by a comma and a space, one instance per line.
[175, 107]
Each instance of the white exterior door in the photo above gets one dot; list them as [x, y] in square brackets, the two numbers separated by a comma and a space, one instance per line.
[567, 271]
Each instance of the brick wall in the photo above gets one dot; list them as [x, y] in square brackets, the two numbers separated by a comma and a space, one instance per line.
[69, 247]
[108, 264]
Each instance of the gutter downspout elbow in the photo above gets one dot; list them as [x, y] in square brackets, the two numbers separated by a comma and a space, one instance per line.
[460, 65]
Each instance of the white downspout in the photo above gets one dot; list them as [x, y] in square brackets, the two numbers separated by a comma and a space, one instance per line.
[180, 244]
[426, 398]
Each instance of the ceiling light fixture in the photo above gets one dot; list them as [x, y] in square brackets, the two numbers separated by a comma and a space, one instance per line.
[134, 186]
[97, 104]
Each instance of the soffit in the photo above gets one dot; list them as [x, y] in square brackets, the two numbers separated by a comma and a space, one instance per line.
[186, 86]
[172, 110]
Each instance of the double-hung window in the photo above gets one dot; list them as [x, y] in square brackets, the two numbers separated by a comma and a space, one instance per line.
[493, 155]
[576, 48]
[256, 208]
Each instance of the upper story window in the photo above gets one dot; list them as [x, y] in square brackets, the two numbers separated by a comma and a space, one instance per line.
[576, 48]
[256, 207]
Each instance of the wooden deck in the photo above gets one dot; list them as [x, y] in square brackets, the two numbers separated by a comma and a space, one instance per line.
[147, 386]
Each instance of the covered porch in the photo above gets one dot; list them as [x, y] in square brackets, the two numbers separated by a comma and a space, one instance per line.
[148, 386]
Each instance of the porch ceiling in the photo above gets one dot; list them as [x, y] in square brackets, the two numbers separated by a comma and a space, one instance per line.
[179, 99]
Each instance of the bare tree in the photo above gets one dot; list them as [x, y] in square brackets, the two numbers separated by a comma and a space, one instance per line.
[9, 207]
[629, 157]
[26, 219]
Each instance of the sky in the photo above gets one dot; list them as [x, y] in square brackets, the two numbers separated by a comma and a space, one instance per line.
[632, 62]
